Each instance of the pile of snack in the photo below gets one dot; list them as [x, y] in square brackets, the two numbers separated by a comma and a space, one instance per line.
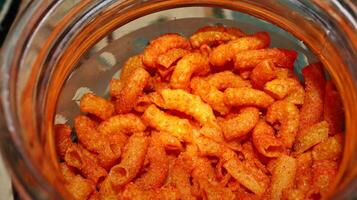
[217, 116]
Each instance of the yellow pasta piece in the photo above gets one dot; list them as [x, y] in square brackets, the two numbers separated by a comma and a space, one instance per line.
[287, 114]
[97, 106]
[329, 149]
[210, 95]
[180, 128]
[247, 97]
[189, 65]
[247, 175]
[189, 104]
[311, 136]
[240, 125]
[131, 162]
[227, 79]
[125, 123]
[283, 176]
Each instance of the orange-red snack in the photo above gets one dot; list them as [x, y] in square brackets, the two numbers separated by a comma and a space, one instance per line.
[180, 128]
[158, 168]
[225, 53]
[189, 104]
[247, 97]
[130, 66]
[189, 65]
[283, 176]
[132, 88]
[169, 141]
[264, 71]
[131, 162]
[62, 139]
[210, 95]
[287, 114]
[79, 187]
[115, 87]
[161, 45]
[265, 141]
[286, 88]
[96, 105]
[227, 79]
[125, 123]
[168, 58]
[247, 175]
[251, 58]
[109, 150]
[312, 109]
[333, 109]
[180, 176]
[324, 174]
[86, 162]
[214, 35]
[240, 125]
[311, 136]
[329, 149]
[303, 179]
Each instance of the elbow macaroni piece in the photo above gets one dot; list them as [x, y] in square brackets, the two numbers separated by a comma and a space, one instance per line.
[131, 90]
[287, 114]
[226, 79]
[265, 141]
[62, 139]
[79, 187]
[131, 162]
[214, 35]
[180, 128]
[247, 175]
[283, 176]
[125, 123]
[311, 136]
[251, 58]
[78, 157]
[241, 125]
[160, 46]
[312, 109]
[130, 66]
[224, 53]
[262, 73]
[247, 97]
[329, 149]
[171, 56]
[210, 95]
[97, 106]
[158, 168]
[191, 64]
[189, 104]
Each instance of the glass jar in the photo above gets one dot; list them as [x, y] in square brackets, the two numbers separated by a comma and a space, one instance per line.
[58, 49]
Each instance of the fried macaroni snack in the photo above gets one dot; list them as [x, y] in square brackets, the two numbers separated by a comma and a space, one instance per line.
[219, 115]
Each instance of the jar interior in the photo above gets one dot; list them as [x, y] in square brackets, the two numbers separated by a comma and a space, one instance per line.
[106, 58]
